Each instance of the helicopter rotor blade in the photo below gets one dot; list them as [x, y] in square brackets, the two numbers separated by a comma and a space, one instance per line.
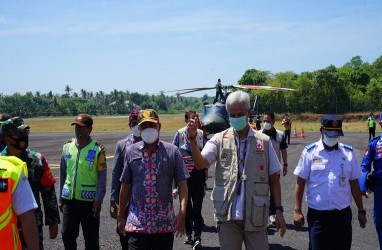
[261, 87]
[192, 90]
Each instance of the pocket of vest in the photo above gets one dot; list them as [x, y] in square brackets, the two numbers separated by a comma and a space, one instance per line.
[260, 187]
[259, 211]
[219, 199]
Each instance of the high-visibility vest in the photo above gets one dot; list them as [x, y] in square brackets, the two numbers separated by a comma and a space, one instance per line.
[371, 123]
[81, 171]
[10, 172]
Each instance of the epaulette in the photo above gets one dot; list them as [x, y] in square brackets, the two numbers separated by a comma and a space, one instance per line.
[310, 146]
[348, 147]
[69, 141]
[100, 145]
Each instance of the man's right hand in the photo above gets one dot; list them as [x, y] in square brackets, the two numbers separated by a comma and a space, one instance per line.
[113, 210]
[60, 205]
[298, 219]
[121, 226]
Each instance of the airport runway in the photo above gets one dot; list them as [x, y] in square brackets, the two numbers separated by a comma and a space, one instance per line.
[50, 144]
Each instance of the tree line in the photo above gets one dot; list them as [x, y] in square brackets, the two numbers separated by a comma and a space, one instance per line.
[354, 87]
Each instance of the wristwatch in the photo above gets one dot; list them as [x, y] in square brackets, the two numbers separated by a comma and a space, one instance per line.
[362, 212]
[280, 208]
[285, 165]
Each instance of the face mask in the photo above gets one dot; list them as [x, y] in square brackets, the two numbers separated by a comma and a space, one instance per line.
[24, 139]
[330, 141]
[238, 123]
[149, 135]
[136, 131]
[267, 126]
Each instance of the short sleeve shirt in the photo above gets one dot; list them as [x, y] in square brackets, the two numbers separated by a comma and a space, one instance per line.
[151, 176]
[23, 199]
[327, 175]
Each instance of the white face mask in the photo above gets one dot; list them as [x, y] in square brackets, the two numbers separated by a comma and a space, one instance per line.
[330, 141]
[267, 126]
[136, 131]
[149, 135]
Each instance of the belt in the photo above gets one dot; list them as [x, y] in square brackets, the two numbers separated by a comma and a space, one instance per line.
[328, 211]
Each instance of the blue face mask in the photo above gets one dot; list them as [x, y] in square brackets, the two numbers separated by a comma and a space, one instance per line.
[238, 123]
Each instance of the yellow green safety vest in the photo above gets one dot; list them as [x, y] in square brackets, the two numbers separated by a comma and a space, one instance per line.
[81, 171]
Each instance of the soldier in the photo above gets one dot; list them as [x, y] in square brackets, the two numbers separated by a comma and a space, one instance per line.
[3, 118]
[16, 135]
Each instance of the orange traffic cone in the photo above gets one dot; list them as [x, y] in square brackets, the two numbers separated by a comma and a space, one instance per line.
[302, 133]
[295, 133]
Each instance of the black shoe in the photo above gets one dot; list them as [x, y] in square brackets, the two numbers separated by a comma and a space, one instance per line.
[188, 240]
[197, 244]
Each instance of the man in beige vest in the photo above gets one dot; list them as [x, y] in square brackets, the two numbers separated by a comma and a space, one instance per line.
[246, 166]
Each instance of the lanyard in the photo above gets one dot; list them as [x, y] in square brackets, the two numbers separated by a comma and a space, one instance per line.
[241, 161]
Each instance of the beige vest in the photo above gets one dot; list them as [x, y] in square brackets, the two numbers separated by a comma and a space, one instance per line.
[256, 180]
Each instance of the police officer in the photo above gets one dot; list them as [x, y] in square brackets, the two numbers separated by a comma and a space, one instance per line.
[371, 124]
[82, 185]
[17, 203]
[16, 135]
[330, 170]
[372, 155]
[120, 150]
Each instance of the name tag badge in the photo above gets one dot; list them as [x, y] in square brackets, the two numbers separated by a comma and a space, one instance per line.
[317, 167]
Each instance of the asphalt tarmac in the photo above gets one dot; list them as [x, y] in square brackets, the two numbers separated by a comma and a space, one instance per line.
[51, 144]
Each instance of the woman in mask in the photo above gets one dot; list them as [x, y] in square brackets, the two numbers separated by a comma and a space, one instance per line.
[132, 138]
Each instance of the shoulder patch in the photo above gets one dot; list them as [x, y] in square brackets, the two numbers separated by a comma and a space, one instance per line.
[310, 146]
[348, 147]
[101, 146]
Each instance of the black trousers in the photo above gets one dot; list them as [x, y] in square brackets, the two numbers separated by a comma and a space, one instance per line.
[330, 230]
[287, 135]
[371, 133]
[194, 217]
[77, 212]
[140, 241]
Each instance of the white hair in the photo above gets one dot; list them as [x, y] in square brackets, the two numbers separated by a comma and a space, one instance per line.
[238, 97]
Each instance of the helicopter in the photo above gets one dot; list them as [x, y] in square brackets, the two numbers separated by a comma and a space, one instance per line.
[214, 117]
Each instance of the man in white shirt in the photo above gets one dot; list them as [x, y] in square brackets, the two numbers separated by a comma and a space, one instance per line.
[330, 170]
[246, 165]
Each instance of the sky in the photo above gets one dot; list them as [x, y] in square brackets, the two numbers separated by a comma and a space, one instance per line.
[149, 46]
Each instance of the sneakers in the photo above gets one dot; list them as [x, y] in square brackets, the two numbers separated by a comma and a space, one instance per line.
[272, 219]
[188, 240]
[197, 243]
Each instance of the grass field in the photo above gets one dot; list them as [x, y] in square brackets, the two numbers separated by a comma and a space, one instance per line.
[170, 123]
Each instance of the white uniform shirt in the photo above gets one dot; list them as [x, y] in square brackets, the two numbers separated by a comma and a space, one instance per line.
[323, 170]
[210, 153]
[22, 198]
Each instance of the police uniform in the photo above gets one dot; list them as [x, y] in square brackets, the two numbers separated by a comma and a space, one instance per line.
[373, 154]
[329, 193]
[82, 183]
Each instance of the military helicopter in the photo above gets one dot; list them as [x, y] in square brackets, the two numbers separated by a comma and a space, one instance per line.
[214, 117]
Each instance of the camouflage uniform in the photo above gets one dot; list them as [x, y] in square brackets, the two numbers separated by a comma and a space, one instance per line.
[41, 181]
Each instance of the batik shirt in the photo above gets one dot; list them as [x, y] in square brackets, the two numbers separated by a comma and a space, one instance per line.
[151, 176]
